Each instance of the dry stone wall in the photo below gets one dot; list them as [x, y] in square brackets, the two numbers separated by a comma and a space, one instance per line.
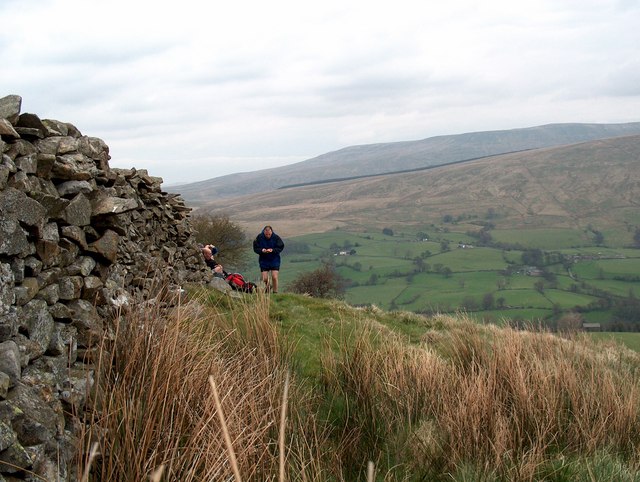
[78, 240]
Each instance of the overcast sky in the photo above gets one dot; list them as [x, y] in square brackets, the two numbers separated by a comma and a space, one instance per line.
[192, 90]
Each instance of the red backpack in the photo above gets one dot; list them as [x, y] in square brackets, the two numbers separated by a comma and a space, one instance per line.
[238, 283]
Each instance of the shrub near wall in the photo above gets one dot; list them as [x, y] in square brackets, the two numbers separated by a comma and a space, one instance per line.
[78, 240]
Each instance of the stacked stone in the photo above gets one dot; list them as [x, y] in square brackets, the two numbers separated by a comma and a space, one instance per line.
[77, 240]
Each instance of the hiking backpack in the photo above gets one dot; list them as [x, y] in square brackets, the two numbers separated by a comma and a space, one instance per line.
[238, 283]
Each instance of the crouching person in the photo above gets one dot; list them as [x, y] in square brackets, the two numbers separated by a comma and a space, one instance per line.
[235, 280]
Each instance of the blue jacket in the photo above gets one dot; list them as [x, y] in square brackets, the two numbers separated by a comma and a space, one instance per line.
[268, 260]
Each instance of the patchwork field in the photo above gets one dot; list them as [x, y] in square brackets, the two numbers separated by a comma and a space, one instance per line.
[444, 272]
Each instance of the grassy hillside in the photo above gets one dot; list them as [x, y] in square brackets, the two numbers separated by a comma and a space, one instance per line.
[266, 388]
[398, 156]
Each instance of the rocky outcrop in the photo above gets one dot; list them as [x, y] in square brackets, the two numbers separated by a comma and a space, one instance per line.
[78, 240]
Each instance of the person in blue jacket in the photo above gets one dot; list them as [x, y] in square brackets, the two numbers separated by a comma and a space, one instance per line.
[268, 246]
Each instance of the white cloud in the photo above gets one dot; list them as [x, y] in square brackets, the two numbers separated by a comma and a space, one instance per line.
[198, 89]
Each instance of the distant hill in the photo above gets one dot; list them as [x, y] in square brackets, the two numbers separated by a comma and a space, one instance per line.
[356, 161]
[570, 186]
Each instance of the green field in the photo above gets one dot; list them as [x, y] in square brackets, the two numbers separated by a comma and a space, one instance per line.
[502, 317]
[541, 238]
[627, 267]
[447, 273]
[630, 340]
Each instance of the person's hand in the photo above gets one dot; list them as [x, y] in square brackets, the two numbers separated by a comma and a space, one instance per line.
[218, 268]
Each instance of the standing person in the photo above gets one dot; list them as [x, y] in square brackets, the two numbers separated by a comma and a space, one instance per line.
[268, 246]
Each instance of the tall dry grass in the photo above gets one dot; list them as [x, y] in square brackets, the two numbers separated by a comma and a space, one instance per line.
[202, 394]
[507, 402]
[155, 413]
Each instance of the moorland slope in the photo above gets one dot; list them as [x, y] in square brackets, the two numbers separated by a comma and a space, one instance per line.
[380, 158]
[571, 186]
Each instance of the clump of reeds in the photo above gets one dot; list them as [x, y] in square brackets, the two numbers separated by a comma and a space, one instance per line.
[508, 403]
[155, 414]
